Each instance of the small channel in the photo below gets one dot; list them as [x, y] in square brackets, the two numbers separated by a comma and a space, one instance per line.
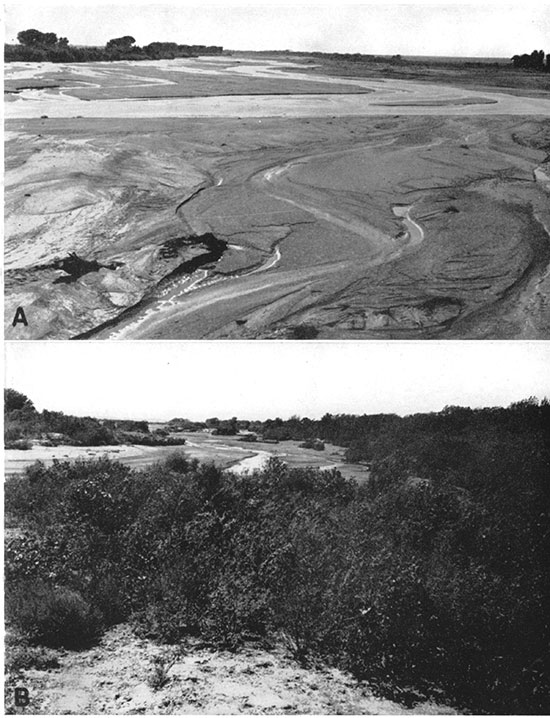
[215, 249]
[253, 462]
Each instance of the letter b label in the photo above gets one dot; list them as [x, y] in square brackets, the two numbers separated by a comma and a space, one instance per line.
[21, 697]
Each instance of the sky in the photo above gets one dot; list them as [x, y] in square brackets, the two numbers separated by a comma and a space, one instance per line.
[468, 29]
[158, 381]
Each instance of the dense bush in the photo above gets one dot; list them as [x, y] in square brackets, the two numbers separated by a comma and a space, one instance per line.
[20, 656]
[154, 439]
[313, 444]
[50, 615]
[22, 424]
[431, 579]
[19, 444]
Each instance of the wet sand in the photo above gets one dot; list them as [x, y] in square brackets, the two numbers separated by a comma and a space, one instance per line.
[369, 97]
[306, 205]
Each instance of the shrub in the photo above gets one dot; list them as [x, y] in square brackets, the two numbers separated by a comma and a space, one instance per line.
[12, 433]
[52, 616]
[160, 667]
[19, 444]
[22, 657]
[237, 609]
[316, 444]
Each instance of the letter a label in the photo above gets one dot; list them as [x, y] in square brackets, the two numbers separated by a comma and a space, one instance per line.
[20, 317]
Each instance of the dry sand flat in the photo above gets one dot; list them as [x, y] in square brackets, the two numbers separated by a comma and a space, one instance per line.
[285, 87]
[427, 221]
[225, 451]
[114, 679]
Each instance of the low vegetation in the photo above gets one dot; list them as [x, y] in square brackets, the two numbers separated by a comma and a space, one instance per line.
[430, 580]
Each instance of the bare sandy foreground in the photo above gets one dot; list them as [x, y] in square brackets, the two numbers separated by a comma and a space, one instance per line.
[113, 678]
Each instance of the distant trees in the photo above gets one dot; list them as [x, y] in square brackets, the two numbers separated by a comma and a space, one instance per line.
[227, 428]
[534, 61]
[122, 43]
[123, 48]
[162, 50]
[37, 46]
[15, 401]
[23, 425]
[33, 38]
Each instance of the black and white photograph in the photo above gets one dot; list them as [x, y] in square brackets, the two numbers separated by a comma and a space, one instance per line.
[277, 171]
[216, 528]
[306, 469]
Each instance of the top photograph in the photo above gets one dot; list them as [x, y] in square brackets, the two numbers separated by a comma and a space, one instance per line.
[277, 172]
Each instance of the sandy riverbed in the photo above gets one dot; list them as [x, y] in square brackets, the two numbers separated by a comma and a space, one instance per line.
[305, 204]
[226, 452]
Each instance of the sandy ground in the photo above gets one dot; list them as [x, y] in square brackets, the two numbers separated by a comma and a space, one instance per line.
[115, 679]
[308, 206]
[254, 455]
[226, 452]
[16, 461]
[382, 97]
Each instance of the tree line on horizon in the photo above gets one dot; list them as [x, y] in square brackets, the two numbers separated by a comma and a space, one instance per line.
[23, 424]
[366, 438]
[534, 61]
[36, 46]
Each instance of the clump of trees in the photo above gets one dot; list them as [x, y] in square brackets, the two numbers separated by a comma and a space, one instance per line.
[36, 46]
[534, 61]
[429, 580]
[24, 424]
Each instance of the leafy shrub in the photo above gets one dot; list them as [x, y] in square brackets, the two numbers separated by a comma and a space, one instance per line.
[313, 444]
[19, 444]
[52, 616]
[22, 657]
[12, 433]
[237, 609]
[160, 667]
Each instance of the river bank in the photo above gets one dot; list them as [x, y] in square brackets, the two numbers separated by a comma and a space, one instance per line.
[227, 452]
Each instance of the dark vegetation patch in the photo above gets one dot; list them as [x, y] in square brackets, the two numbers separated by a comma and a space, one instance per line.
[53, 616]
[429, 580]
[21, 656]
[36, 46]
[23, 424]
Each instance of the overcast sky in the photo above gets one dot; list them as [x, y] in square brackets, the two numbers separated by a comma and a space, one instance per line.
[408, 28]
[197, 380]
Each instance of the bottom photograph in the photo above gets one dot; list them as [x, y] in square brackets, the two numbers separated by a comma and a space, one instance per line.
[282, 528]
